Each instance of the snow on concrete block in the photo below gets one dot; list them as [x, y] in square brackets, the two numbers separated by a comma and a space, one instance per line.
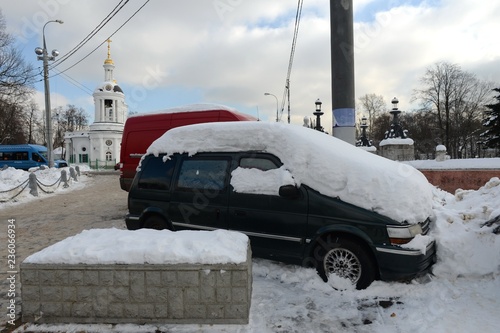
[143, 276]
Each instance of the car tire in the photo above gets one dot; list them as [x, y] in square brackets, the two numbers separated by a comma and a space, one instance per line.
[347, 259]
[155, 222]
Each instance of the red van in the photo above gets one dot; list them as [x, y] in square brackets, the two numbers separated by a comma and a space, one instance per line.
[142, 129]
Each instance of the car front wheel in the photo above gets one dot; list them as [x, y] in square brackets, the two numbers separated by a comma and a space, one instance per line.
[343, 261]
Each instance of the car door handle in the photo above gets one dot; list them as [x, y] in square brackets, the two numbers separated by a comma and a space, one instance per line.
[240, 213]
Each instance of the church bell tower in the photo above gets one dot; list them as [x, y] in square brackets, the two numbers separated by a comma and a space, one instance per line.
[109, 100]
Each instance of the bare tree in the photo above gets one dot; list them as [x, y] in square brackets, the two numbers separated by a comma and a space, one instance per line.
[11, 123]
[373, 105]
[16, 76]
[69, 119]
[456, 98]
[33, 123]
[74, 118]
[16, 79]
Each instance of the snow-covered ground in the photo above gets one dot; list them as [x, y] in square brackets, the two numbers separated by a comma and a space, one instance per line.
[463, 295]
[14, 187]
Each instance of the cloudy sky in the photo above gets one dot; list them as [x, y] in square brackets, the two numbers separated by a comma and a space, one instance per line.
[233, 51]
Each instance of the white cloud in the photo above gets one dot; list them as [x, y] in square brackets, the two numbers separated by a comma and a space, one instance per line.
[237, 51]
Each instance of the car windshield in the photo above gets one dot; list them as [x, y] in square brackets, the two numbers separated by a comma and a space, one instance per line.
[43, 153]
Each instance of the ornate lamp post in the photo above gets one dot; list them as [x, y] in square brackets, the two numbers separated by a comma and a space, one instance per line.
[268, 94]
[318, 113]
[43, 55]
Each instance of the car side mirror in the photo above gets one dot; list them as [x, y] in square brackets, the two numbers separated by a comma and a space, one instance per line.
[289, 191]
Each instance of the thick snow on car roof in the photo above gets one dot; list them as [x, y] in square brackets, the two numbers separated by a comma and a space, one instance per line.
[325, 163]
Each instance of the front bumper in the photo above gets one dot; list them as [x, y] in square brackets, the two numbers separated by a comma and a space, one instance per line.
[404, 264]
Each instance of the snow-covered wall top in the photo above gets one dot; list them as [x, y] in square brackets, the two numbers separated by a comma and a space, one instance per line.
[396, 141]
[146, 246]
[327, 164]
[457, 164]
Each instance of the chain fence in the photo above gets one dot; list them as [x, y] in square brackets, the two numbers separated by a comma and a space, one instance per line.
[34, 184]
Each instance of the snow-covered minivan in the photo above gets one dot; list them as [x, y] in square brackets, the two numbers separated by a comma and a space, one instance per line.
[301, 196]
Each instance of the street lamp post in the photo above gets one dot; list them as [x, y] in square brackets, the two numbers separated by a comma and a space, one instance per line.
[44, 56]
[268, 94]
[318, 113]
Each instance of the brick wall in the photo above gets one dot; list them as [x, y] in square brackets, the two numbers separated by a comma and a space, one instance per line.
[451, 180]
[199, 294]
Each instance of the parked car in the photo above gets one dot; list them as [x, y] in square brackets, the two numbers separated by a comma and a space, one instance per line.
[26, 156]
[143, 128]
[301, 196]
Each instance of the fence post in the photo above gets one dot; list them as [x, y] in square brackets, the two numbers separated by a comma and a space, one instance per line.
[77, 168]
[64, 178]
[72, 173]
[32, 185]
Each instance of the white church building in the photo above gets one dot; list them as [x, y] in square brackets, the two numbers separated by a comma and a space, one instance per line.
[99, 147]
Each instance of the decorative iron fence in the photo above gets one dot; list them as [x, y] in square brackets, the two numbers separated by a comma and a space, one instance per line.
[34, 184]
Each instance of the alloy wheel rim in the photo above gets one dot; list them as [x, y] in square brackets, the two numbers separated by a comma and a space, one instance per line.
[342, 263]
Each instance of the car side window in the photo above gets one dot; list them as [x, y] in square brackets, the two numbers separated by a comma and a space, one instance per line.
[203, 174]
[158, 175]
[260, 163]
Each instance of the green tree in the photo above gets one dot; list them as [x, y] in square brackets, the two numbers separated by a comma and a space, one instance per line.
[491, 136]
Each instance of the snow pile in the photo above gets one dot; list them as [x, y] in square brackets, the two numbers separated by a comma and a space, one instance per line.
[465, 246]
[257, 181]
[327, 164]
[146, 246]
[11, 178]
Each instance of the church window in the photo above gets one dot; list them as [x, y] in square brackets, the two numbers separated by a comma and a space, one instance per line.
[109, 156]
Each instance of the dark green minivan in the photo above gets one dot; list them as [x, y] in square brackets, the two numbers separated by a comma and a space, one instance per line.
[254, 192]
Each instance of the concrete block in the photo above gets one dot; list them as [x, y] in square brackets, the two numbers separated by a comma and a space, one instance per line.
[182, 293]
[188, 278]
[91, 278]
[106, 278]
[118, 294]
[121, 278]
[76, 277]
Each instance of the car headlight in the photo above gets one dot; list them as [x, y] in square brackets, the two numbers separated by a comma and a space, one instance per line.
[403, 234]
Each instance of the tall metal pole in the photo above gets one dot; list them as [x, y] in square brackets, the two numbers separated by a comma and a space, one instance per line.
[48, 117]
[342, 66]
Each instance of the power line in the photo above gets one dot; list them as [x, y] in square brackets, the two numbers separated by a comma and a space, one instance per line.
[104, 41]
[75, 82]
[90, 35]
